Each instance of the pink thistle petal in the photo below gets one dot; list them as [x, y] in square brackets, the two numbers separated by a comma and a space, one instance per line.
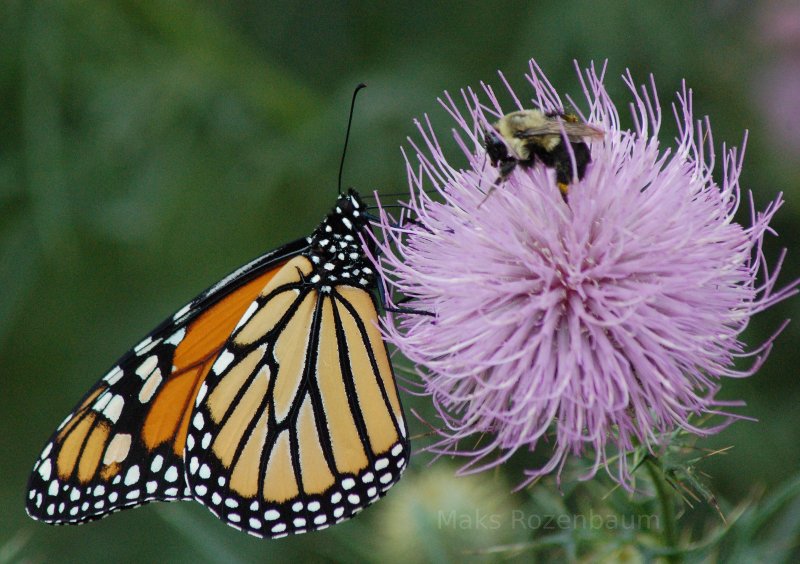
[587, 328]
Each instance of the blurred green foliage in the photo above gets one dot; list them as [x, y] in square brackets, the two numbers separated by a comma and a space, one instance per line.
[148, 148]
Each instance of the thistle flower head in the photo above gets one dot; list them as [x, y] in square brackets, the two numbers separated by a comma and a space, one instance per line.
[583, 326]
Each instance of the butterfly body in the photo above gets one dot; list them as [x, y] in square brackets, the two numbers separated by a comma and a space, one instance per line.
[269, 398]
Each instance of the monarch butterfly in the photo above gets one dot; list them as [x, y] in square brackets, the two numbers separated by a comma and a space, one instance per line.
[269, 398]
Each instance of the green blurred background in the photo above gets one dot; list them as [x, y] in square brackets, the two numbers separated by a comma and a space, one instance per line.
[148, 148]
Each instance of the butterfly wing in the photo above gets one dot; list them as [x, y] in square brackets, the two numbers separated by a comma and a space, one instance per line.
[123, 444]
[298, 425]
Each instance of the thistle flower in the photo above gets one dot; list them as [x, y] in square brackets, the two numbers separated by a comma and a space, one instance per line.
[585, 326]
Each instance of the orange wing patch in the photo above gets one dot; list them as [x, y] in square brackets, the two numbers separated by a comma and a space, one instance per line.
[123, 444]
[279, 480]
[168, 418]
[72, 445]
[366, 310]
[348, 451]
[317, 478]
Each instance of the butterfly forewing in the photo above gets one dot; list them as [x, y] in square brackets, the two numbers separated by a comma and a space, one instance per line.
[122, 446]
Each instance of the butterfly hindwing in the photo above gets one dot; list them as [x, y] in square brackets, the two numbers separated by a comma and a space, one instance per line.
[298, 425]
[122, 445]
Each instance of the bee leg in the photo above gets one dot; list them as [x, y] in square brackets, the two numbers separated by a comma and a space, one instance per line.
[563, 174]
[564, 170]
[495, 184]
[506, 167]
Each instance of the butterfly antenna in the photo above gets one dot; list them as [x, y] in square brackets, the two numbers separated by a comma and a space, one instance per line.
[347, 135]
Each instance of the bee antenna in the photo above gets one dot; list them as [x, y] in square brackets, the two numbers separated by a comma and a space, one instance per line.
[347, 135]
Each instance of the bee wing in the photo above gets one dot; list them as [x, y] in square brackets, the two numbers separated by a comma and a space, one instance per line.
[575, 131]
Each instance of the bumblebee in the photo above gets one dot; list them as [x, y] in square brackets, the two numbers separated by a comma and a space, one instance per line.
[528, 136]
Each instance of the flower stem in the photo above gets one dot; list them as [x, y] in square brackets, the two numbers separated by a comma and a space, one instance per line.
[667, 510]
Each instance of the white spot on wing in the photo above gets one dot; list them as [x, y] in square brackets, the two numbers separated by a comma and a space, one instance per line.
[201, 394]
[145, 346]
[222, 362]
[45, 469]
[64, 422]
[176, 337]
[113, 375]
[171, 474]
[150, 386]
[147, 366]
[251, 309]
[102, 401]
[114, 408]
[132, 476]
[181, 312]
[198, 421]
[117, 449]
[271, 515]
